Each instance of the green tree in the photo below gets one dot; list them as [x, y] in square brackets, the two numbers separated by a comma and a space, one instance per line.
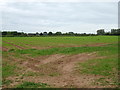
[44, 33]
[100, 32]
[50, 33]
[58, 33]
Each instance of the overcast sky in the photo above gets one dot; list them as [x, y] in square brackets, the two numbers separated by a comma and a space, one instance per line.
[56, 16]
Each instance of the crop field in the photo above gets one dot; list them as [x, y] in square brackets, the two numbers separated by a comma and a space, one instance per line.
[60, 62]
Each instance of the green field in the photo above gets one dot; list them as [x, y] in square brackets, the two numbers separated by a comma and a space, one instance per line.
[28, 42]
[72, 62]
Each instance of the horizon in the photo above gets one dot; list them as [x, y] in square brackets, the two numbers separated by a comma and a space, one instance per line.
[55, 32]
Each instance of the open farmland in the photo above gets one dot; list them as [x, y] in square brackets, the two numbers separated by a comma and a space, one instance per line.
[60, 62]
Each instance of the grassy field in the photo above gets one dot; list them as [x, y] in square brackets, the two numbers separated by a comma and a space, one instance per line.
[67, 62]
[43, 42]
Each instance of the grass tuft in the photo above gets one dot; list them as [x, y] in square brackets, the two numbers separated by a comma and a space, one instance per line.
[32, 85]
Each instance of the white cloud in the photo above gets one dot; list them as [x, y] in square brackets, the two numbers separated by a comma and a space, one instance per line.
[77, 17]
[59, 1]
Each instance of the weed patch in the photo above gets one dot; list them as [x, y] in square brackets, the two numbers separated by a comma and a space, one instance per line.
[67, 50]
[99, 66]
[8, 70]
[32, 85]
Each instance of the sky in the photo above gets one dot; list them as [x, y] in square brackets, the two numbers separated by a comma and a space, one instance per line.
[79, 17]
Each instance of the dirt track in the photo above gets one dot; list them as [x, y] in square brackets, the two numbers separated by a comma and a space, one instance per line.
[63, 65]
[17, 46]
[48, 47]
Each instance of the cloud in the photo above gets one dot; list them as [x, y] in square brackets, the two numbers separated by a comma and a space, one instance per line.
[3, 1]
[54, 16]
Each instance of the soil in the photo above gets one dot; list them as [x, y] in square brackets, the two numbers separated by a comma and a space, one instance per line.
[63, 65]
[4, 48]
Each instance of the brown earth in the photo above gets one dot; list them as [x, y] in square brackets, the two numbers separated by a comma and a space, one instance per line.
[36, 47]
[4, 48]
[58, 71]
[97, 44]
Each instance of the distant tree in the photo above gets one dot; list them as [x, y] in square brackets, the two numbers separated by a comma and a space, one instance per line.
[58, 33]
[22, 34]
[107, 33]
[41, 34]
[37, 34]
[50, 33]
[76, 34]
[100, 32]
[4, 33]
[66, 34]
[115, 31]
[9, 34]
[25, 34]
[44, 33]
[84, 34]
[0, 34]
[119, 31]
[19, 33]
[13, 33]
[71, 33]
[31, 34]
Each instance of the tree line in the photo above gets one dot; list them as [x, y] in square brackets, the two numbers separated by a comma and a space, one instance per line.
[22, 34]
[112, 32]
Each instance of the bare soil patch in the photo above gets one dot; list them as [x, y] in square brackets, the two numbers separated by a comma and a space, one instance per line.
[4, 48]
[64, 65]
[97, 44]
[37, 47]
[52, 58]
